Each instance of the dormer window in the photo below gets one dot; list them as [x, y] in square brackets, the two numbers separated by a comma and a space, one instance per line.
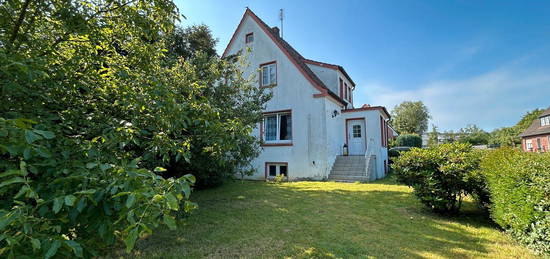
[545, 121]
[249, 38]
[268, 74]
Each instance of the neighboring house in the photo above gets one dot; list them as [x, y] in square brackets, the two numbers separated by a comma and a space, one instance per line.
[536, 138]
[311, 116]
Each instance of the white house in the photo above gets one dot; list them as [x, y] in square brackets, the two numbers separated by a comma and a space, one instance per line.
[311, 117]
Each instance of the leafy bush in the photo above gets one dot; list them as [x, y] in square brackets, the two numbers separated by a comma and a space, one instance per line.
[392, 153]
[441, 176]
[409, 140]
[93, 111]
[519, 184]
[62, 201]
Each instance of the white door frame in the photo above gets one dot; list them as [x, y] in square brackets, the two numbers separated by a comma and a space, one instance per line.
[349, 136]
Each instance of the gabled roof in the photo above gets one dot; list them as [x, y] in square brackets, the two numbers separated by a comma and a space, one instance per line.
[536, 128]
[291, 53]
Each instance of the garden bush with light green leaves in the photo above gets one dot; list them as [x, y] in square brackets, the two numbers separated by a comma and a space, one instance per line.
[441, 176]
[58, 201]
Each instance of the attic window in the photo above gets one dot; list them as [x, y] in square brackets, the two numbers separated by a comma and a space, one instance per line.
[268, 74]
[249, 38]
[545, 121]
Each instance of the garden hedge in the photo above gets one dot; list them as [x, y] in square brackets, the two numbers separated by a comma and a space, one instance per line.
[519, 186]
[409, 140]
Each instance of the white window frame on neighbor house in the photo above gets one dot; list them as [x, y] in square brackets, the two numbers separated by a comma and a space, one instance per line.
[277, 141]
[529, 144]
[268, 74]
[277, 166]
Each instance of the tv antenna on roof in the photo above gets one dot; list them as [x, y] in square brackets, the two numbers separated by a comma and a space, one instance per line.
[281, 17]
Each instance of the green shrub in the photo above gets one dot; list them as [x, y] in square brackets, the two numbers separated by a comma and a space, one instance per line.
[519, 184]
[441, 176]
[392, 153]
[91, 110]
[409, 140]
[60, 199]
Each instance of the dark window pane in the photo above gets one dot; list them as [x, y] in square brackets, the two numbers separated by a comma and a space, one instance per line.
[282, 170]
[249, 38]
[286, 127]
[272, 170]
[356, 131]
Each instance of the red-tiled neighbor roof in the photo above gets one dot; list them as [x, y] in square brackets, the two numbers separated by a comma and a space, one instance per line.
[292, 54]
[536, 128]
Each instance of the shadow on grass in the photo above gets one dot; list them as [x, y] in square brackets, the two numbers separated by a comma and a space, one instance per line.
[323, 220]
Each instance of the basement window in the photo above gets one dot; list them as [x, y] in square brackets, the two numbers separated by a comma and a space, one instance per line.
[275, 169]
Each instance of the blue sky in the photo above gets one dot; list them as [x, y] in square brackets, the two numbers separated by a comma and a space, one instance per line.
[470, 62]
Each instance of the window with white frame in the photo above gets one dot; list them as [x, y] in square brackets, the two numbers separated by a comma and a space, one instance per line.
[529, 144]
[268, 74]
[278, 127]
[275, 169]
[545, 121]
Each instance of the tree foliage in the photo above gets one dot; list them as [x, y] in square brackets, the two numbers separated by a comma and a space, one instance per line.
[509, 136]
[408, 140]
[93, 113]
[474, 135]
[410, 117]
[187, 42]
[433, 137]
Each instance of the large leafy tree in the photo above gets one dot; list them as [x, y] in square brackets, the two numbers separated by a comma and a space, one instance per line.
[92, 112]
[410, 117]
[474, 135]
[188, 42]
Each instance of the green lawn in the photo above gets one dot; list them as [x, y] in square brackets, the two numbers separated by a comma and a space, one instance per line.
[325, 220]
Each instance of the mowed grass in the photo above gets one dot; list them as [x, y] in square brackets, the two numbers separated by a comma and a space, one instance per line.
[245, 219]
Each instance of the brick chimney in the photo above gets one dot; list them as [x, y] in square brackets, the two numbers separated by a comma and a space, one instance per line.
[276, 30]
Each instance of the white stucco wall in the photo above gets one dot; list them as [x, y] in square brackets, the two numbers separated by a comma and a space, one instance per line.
[327, 75]
[306, 156]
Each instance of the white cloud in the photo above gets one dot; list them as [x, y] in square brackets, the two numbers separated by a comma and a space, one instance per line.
[494, 99]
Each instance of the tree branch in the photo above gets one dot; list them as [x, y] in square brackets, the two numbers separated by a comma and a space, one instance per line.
[19, 21]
